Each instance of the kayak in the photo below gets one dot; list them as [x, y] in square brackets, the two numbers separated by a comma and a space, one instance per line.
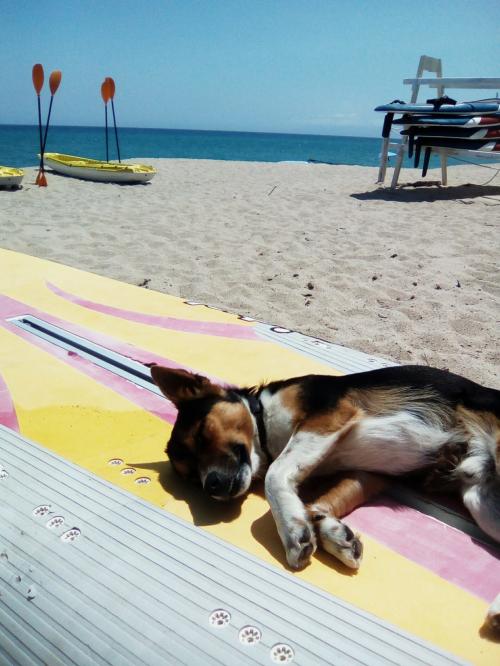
[105, 172]
[10, 177]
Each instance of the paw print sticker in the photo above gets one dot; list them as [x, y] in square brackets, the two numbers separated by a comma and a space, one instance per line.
[41, 511]
[70, 535]
[219, 618]
[249, 635]
[282, 653]
[142, 480]
[55, 522]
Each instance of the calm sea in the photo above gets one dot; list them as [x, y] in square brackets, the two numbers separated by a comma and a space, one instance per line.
[19, 145]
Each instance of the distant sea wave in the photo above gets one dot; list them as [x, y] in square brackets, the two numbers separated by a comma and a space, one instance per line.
[19, 145]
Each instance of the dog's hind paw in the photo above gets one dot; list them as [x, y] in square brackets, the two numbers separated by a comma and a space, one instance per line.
[339, 540]
[300, 545]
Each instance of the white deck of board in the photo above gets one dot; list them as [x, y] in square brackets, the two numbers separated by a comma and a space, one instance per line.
[138, 585]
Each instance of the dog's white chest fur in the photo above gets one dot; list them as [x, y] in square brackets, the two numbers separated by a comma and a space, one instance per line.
[278, 422]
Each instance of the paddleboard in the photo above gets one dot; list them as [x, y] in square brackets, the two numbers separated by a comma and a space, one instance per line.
[455, 132]
[459, 144]
[421, 109]
[464, 121]
[74, 378]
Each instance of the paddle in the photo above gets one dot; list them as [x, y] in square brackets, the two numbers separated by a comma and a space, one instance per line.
[54, 83]
[111, 84]
[105, 94]
[38, 76]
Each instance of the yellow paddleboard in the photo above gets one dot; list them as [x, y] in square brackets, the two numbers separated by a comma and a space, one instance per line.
[70, 343]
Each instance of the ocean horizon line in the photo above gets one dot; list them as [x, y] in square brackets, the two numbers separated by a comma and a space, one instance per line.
[189, 129]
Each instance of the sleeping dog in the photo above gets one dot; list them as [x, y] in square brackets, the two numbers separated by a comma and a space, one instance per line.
[392, 421]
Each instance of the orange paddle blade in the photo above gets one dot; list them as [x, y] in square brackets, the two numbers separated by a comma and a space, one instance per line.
[41, 181]
[112, 87]
[105, 91]
[55, 81]
[37, 76]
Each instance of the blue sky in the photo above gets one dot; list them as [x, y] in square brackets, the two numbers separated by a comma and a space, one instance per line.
[312, 66]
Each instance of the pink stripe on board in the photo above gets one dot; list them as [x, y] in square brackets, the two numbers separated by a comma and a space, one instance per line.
[9, 307]
[147, 400]
[235, 331]
[442, 549]
[8, 416]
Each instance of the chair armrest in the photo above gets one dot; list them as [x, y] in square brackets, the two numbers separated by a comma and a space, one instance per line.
[464, 83]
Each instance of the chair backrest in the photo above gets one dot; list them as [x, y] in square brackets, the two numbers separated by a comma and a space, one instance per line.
[427, 64]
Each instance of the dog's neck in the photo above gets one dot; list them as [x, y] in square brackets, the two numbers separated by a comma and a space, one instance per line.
[251, 398]
[273, 423]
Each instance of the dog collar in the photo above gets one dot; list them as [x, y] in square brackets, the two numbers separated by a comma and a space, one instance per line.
[255, 406]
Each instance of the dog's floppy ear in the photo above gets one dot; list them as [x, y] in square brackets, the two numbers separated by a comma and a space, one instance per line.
[180, 385]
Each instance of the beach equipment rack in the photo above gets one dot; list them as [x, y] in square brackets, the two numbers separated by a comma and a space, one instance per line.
[439, 125]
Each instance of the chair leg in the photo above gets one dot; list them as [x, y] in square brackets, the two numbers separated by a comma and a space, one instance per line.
[386, 134]
[444, 170]
[397, 167]
[427, 157]
[383, 161]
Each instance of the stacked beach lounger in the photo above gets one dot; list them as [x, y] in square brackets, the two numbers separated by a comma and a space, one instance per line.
[442, 124]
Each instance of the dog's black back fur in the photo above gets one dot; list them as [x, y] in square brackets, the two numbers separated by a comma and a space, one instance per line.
[322, 392]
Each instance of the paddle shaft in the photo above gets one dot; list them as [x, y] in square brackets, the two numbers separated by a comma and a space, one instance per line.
[116, 130]
[40, 131]
[47, 126]
[106, 123]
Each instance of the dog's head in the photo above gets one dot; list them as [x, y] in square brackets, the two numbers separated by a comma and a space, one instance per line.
[212, 439]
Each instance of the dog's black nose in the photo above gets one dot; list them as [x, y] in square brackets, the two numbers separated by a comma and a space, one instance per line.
[215, 484]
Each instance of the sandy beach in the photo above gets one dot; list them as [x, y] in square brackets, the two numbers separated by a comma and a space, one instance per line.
[411, 276]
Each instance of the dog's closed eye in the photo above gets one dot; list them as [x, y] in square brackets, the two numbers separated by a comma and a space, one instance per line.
[241, 453]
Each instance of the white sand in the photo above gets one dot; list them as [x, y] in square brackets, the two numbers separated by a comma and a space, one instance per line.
[411, 276]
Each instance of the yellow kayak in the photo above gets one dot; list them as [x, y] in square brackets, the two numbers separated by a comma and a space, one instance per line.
[10, 177]
[105, 172]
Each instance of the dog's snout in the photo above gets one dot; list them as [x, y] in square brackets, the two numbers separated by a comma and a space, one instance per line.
[215, 484]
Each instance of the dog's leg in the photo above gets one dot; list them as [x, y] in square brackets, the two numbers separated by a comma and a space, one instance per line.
[307, 448]
[483, 503]
[492, 622]
[351, 491]
[344, 494]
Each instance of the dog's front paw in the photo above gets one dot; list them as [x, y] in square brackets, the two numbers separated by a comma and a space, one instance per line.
[339, 540]
[300, 544]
